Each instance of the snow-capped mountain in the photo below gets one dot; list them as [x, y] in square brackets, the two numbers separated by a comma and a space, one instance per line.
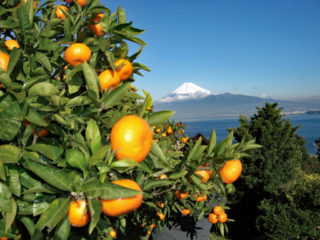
[186, 91]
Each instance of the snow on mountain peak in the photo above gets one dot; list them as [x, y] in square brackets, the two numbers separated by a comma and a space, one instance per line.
[186, 91]
[190, 88]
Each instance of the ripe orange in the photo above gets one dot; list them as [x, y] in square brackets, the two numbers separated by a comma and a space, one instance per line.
[77, 53]
[82, 3]
[78, 214]
[10, 44]
[179, 124]
[148, 232]
[131, 137]
[231, 171]
[163, 176]
[161, 216]
[185, 211]
[123, 68]
[42, 132]
[4, 61]
[152, 226]
[169, 130]
[3, 238]
[218, 210]
[113, 233]
[184, 140]
[204, 175]
[96, 27]
[213, 218]
[180, 195]
[200, 198]
[59, 12]
[120, 206]
[181, 131]
[210, 171]
[163, 135]
[223, 217]
[34, 3]
[109, 79]
[158, 130]
[160, 205]
[148, 109]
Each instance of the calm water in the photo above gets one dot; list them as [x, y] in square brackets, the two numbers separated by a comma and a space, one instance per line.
[309, 128]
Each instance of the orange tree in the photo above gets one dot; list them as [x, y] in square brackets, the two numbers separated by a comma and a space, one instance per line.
[82, 155]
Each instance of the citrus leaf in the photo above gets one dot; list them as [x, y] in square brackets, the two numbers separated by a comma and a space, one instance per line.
[157, 151]
[5, 198]
[56, 177]
[43, 60]
[14, 180]
[10, 154]
[56, 211]
[10, 216]
[107, 190]
[93, 136]
[100, 155]
[124, 165]
[95, 207]
[35, 117]
[158, 118]
[62, 230]
[121, 15]
[115, 96]
[76, 159]
[212, 142]
[156, 183]
[178, 175]
[14, 58]
[43, 89]
[51, 152]
[28, 223]
[193, 153]
[91, 80]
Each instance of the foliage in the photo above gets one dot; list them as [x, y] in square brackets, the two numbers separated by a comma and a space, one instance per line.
[269, 170]
[40, 175]
[294, 214]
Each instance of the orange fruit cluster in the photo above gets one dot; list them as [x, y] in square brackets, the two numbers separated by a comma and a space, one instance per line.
[218, 215]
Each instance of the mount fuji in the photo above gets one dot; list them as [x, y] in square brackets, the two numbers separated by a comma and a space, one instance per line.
[186, 91]
[190, 101]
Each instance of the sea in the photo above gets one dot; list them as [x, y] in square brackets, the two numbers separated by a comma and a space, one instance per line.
[309, 127]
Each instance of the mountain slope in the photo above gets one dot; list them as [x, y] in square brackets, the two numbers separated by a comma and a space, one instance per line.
[227, 105]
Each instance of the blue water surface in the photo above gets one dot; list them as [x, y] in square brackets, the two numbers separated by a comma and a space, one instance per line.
[309, 127]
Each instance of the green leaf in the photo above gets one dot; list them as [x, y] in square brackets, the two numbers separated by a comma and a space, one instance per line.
[5, 198]
[121, 15]
[93, 136]
[100, 155]
[193, 153]
[3, 176]
[14, 180]
[10, 121]
[56, 211]
[157, 151]
[5, 78]
[51, 152]
[115, 96]
[212, 142]
[10, 216]
[156, 183]
[14, 58]
[62, 230]
[158, 118]
[28, 223]
[95, 207]
[10, 154]
[76, 159]
[35, 117]
[59, 178]
[43, 60]
[124, 165]
[91, 80]
[43, 89]
[24, 21]
[178, 175]
[107, 190]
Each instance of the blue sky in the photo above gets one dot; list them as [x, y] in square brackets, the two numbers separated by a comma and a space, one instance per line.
[256, 47]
